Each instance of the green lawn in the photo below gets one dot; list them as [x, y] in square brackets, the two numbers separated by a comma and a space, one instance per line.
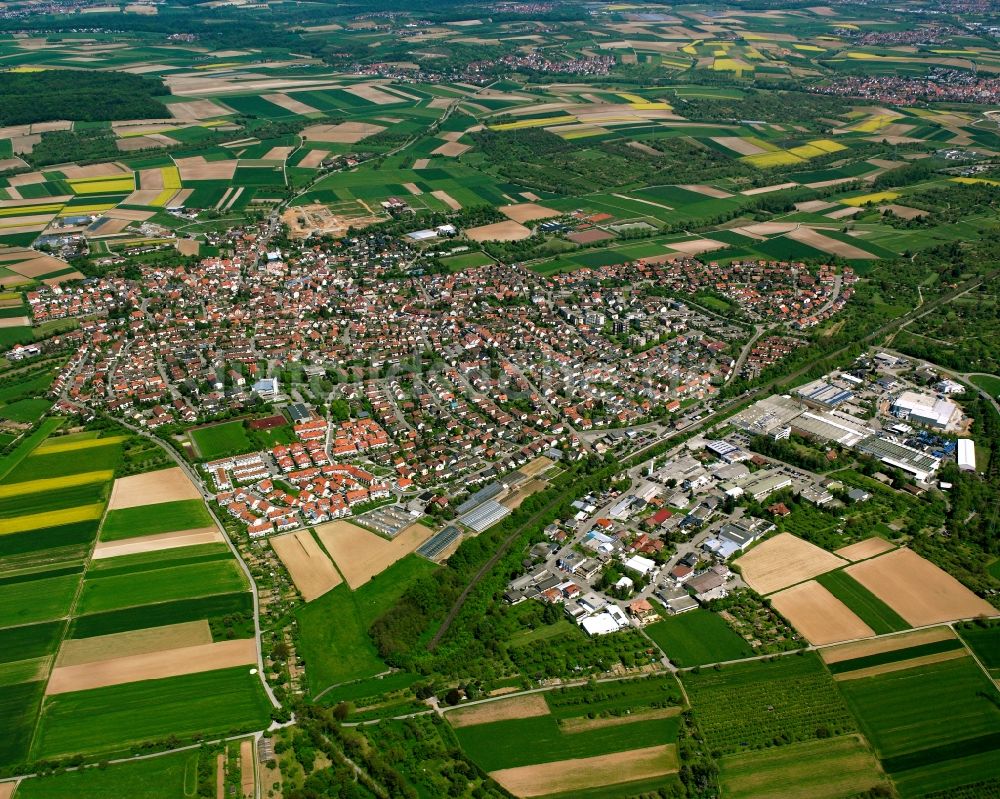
[466, 260]
[165, 517]
[865, 605]
[160, 585]
[333, 630]
[172, 776]
[824, 769]
[698, 637]
[115, 718]
[218, 440]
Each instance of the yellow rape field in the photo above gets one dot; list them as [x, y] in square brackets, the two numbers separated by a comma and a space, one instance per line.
[94, 208]
[54, 483]
[103, 186]
[874, 124]
[52, 518]
[877, 197]
[55, 445]
[970, 181]
[778, 158]
[533, 123]
[29, 210]
[809, 48]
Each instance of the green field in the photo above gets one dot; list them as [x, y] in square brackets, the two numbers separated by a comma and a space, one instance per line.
[12, 459]
[18, 708]
[698, 637]
[764, 703]
[925, 717]
[59, 464]
[865, 605]
[229, 438]
[895, 656]
[984, 640]
[333, 630]
[142, 616]
[824, 769]
[172, 776]
[525, 742]
[115, 718]
[38, 600]
[148, 587]
[616, 698]
[164, 517]
[30, 641]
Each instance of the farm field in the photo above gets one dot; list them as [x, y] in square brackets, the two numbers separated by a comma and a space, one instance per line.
[818, 615]
[932, 720]
[152, 519]
[698, 637]
[750, 705]
[869, 608]
[824, 769]
[551, 742]
[917, 590]
[984, 641]
[171, 776]
[104, 593]
[783, 561]
[112, 719]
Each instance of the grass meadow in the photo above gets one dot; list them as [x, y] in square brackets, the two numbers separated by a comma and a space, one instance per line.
[824, 769]
[333, 630]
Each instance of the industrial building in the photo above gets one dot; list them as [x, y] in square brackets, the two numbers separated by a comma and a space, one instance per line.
[928, 410]
[916, 463]
[966, 455]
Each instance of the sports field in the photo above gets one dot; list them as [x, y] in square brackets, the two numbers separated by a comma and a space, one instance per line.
[215, 441]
